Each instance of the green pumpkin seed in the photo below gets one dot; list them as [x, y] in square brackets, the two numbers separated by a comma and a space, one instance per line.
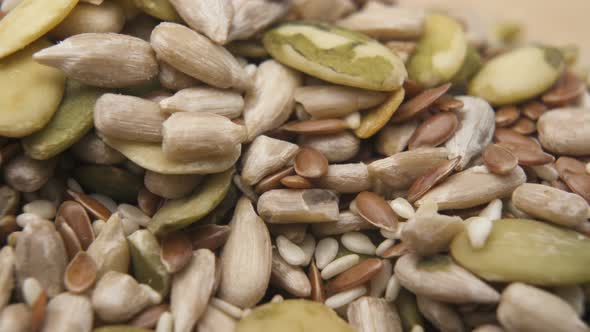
[520, 250]
[114, 182]
[145, 259]
[440, 53]
[120, 328]
[72, 120]
[219, 214]
[161, 9]
[293, 316]
[518, 75]
[29, 92]
[470, 67]
[179, 213]
[336, 55]
[150, 156]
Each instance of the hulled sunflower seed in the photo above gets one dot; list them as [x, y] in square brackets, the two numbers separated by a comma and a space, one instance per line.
[69, 313]
[251, 16]
[215, 320]
[561, 131]
[84, 18]
[518, 302]
[336, 147]
[429, 232]
[551, 204]
[401, 169]
[189, 136]
[477, 124]
[270, 103]
[199, 58]
[473, 187]
[102, 59]
[346, 178]
[293, 206]
[246, 258]
[347, 222]
[394, 138]
[439, 278]
[386, 22]
[327, 102]
[288, 277]
[198, 279]
[129, 118]
[205, 99]
[118, 297]
[213, 18]
[265, 156]
[40, 254]
[173, 79]
[110, 250]
[440, 314]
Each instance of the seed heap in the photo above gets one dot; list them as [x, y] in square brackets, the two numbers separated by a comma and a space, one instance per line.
[260, 165]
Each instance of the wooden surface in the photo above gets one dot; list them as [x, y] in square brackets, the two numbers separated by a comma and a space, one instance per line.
[558, 22]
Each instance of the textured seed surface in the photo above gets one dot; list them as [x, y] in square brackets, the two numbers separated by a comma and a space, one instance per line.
[419, 103]
[22, 81]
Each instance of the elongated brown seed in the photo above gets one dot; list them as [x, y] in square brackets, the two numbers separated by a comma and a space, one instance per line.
[375, 210]
[524, 126]
[355, 276]
[273, 181]
[310, 163]
[296, 182]
[498, 159]
[436, 130]
[419, 103]
[568, 88]
[534, 109]
[209, 237]
[507, 115]
[435, 176]
[318, 292]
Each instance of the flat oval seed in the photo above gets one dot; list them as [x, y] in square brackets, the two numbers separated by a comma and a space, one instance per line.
[76, 217]
[376, 210]
[273, 181]
[316, 127]
[397, 250]
[433, 177]
[524, 126]
[355, 276]
[507, 115]
[578, 183]
[568, 164]
[176, 252]
[336, 55]
[528, 155]
[565, 131]
[498, 159]
[419, 103]
[339, 265]
[568, 88]
[39, 17]
[80, 273]
[533, 110]
[402, 208]
[436, 130]
[310, 163]
[94, 207]
[517, 75]
[71, 241]
[296, 182]
[326, 251]
[209, 237]
[23, 82]
[290, 252]
[358, 242]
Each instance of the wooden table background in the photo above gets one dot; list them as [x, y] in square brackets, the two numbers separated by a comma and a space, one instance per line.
[558, 22]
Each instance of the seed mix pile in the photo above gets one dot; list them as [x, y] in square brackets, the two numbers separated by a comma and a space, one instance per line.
[288, 166]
